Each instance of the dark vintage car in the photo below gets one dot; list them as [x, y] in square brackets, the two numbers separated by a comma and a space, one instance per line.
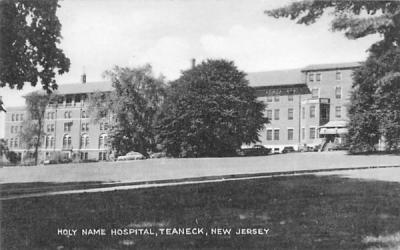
[256, 150]
[287, 150]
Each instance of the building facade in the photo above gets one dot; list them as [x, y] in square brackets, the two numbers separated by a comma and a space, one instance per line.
[307, 106]
[70, 133]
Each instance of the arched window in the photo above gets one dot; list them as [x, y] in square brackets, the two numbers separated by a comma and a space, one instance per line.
[84, 141]
[67, 141]
[103, 141]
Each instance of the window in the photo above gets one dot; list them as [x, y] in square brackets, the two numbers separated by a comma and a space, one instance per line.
[22, 117]
[318, 77]
[77, 99]
[312, 133]
[290, 98]
[276, 134]
[67, 114]
[67, 142]
[12, 129]
[52, 128]
[312, 111]
[84, 141]
[303, 133]
[68, 101]
[276, 98]
[52, 141]
[314, 93]
[106, 126]
[290, 134]
[269, 98]
[11, 142]
[311, 77]
[84, 114]
[303, 112]
[103, 141]
[269, 135]
[16, 142]
[101, 126]
[84, 155]
[276, 114]
[338, 75]
[48, 115]
[269, 114]
[85, 127]
[67, 126]
[47, 141]
[338, 92]
[13, 117]
[17, 117]
[102, 156]
[338, 112]
[290, 114]
[48, 127]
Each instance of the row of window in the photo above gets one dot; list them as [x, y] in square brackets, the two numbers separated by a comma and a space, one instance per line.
[318, 76]
[274, 134]
[102, 156]
[338, 92]
[84, 142]
[14, 143]
[276, 98]
[67, 114]
[17, 117]
[15, 129]
[314, 95]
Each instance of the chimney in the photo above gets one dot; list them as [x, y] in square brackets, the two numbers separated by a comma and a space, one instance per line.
[83, 76]
[193, 63]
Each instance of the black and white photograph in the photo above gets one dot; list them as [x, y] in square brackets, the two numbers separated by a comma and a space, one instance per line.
[199, 124]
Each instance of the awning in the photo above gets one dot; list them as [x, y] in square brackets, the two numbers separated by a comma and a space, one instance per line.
[333, 131]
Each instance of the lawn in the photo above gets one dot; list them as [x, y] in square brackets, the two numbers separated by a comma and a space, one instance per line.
[301, 212]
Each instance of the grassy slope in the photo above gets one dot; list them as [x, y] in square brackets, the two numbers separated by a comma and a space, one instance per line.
[302, 212]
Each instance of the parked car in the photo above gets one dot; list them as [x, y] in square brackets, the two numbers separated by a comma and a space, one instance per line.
[131, 156]
[256, 150]
[158, 155]
[287, 150]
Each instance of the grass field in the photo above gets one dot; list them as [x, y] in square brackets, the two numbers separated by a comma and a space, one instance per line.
[302, 212]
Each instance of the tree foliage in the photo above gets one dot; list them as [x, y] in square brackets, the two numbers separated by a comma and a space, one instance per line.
[375, 101]
[210, 111]
[133, 107]
[33, 128]
[29, 35]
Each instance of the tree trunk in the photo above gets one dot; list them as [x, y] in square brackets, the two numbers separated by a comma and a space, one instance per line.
[38, 141]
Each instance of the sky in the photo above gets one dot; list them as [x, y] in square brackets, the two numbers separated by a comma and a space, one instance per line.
[98, 34]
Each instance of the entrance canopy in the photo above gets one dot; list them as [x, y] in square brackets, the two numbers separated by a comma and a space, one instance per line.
[334, 128]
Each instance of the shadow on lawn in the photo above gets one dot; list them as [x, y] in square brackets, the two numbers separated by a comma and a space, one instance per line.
[10, 189]
[302, 212]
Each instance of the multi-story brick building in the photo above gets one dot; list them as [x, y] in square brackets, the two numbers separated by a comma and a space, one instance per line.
[69, 131]
[306, 106]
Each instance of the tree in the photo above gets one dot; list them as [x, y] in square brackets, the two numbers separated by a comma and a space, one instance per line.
[3, 148]
[2, 109]
[33, 128]
[29, 35]
[374, 109]
[133, 107]
[210, 111]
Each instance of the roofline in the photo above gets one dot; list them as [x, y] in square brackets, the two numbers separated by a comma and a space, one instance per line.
[326, 67]
[294, 85]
